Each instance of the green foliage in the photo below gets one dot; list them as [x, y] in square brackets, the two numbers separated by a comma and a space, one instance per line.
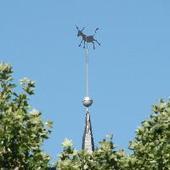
[151, 147]
[22, 131]
[103, 158]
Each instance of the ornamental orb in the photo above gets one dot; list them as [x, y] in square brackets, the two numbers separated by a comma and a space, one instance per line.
[87, 101]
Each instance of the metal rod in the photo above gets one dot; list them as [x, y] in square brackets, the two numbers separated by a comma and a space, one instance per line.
[86, 71]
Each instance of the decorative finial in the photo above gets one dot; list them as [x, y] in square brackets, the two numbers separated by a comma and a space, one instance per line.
[87, 101]
[87, 38]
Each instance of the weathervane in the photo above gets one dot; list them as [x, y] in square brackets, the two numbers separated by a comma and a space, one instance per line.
[87, 38]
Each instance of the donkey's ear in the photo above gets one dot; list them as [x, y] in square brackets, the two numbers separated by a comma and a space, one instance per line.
[82, 28]
[96, 30]
[77, 28]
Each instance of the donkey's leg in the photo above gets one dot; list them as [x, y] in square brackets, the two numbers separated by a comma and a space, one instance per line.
[80, 43]
[84, 44]
[97, 42]
[93, 45]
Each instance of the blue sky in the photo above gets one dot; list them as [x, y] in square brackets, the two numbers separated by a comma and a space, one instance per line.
[128, 73]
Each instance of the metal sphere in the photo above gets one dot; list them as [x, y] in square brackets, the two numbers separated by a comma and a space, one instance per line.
[87, 101]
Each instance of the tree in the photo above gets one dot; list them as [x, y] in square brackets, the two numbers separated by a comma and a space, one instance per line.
[151, 146]
[22, 131]
[103, 158]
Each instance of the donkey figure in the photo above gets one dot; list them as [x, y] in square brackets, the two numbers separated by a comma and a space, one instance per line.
[87, 38]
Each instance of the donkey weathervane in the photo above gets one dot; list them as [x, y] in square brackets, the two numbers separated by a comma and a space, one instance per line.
[87, 38]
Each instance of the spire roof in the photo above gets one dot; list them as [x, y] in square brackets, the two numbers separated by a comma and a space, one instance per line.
[88, 142]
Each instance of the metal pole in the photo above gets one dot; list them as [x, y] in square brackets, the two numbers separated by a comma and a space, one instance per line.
[87, 101]
[86, 72]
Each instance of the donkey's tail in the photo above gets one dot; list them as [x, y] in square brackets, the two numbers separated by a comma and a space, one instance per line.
[96, 31]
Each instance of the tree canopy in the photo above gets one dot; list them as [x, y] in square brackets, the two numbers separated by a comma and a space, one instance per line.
[104, 157]
[151, 146]
[22, 131]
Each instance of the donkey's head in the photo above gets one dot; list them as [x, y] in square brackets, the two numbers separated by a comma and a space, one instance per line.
[80, 32]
